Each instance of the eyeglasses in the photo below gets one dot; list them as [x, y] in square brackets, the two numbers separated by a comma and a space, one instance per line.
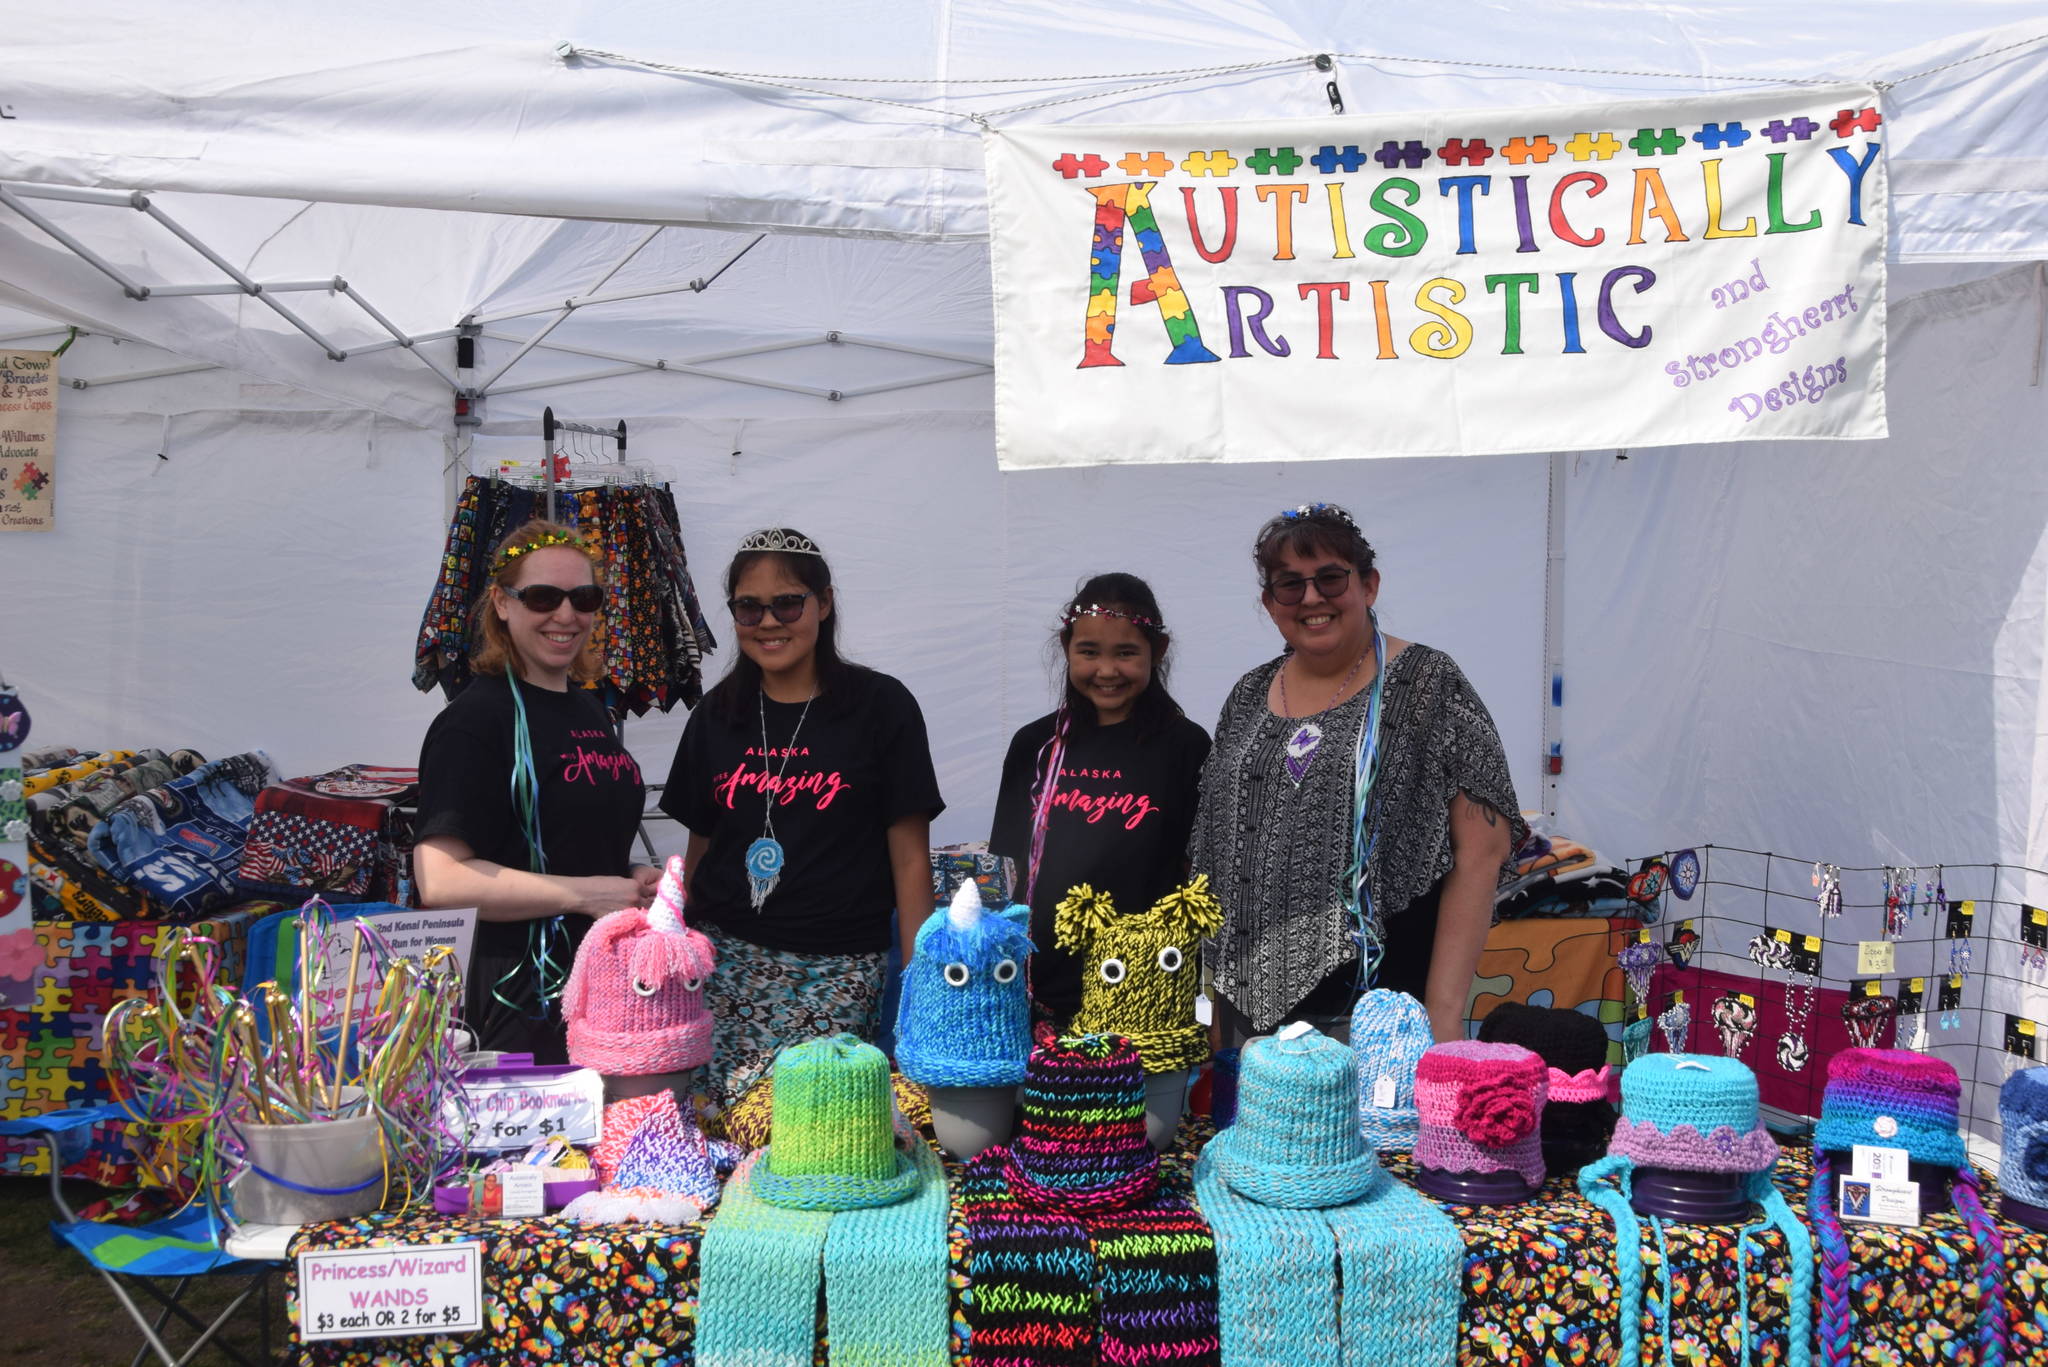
[547, 597]
[1289, 589]
[787, 607]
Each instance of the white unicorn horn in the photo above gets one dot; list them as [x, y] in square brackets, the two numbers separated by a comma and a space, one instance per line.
[666, 915]
[965, 913]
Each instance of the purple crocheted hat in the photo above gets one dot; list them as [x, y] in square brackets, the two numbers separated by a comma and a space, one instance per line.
[1481, 1109]
[1694, 1113]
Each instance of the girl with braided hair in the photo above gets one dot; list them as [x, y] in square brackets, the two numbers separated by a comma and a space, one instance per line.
[1101, 791]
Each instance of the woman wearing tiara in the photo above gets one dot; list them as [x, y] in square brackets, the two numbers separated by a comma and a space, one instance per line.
[528, 800]
[1356, 812]
[1100, 791]
[806, 784]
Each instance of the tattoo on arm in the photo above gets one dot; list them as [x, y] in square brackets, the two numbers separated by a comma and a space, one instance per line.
[1492, 817]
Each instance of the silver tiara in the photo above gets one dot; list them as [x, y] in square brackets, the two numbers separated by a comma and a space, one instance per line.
[780, 540]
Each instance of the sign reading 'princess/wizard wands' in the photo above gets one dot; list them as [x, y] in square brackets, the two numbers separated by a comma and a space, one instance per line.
[1546, 279]
[28, 441]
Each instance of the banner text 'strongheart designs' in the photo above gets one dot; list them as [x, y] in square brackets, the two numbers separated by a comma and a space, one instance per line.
[1692, 270]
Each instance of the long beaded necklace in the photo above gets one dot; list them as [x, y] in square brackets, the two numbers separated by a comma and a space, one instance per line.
[765, 856]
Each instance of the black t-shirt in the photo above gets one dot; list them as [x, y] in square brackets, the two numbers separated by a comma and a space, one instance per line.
[1122, 810]
[858, 763]
[590, 788]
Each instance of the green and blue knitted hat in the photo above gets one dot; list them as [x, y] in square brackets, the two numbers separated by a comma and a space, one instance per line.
[831, 1140]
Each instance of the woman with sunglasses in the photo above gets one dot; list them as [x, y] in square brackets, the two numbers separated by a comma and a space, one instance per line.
[1356, 811]
[806, 784]
[528, 800]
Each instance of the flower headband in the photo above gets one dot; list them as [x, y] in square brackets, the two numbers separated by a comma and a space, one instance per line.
[1311, 510]
[507, 554]
[1075, 611]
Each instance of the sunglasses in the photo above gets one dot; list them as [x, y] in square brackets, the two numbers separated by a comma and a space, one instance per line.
[548, 597]
[1289, 589]
[787, 607]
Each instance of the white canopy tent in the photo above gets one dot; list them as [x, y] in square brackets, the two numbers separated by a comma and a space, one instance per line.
[1831, 650]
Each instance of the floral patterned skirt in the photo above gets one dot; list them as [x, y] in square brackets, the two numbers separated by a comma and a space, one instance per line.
[763, 999]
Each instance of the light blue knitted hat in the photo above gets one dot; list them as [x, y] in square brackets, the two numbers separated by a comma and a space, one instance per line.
[1390, 1033]
[2023, 1113]
[1294, 1144]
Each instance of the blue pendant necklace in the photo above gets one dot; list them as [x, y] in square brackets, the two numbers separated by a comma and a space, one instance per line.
[764, 856]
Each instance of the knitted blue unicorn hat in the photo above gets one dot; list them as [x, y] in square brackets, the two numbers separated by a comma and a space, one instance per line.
[965, 1016]
[1390, 1033]
[1695, 1113]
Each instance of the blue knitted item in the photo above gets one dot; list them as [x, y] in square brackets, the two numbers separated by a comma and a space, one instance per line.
[1390, 1033]
[965, 1016]
[1696, 1113]
[1294, 1196]
[2023, 1117]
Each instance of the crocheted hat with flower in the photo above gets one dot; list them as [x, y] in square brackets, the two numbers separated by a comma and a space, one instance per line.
[635, 997]
[2023, 1119]
[965, 1016]
[832, 1142]
[1299, 1202]
[1138, 974]
[1390, 1032]
[1902, 1100]
[1481, 1109]
[1694, 1113]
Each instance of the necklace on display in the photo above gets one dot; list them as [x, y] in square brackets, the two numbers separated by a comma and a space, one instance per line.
[765, 856]
[1307, 738]
[1799, 998]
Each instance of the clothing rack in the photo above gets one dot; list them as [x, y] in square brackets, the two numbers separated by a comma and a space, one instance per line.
[550, 426]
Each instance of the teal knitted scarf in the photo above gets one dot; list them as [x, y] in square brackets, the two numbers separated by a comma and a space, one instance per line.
[884, 1270]
[1277, 1278]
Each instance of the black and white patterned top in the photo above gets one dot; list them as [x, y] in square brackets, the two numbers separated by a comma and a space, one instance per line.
[1273, 829]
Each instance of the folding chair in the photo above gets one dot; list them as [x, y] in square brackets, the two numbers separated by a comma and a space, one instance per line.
[176, 1249]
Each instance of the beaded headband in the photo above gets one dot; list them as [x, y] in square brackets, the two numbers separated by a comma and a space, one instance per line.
[507, 554]
[780, 540]
[1305, 511]
[1073, 612]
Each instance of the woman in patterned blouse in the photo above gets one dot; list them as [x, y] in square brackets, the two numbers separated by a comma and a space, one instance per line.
[1347, 717]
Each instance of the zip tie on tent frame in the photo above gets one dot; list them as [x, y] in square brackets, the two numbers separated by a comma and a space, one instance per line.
[1153, 80]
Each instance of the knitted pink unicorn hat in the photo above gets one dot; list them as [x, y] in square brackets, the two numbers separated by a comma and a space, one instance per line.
[635, 999]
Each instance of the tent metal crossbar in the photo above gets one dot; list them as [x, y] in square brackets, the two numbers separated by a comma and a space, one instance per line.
[18, 196]
[969, 368]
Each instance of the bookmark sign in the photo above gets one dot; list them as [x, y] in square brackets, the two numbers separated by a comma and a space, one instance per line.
[1693, 270]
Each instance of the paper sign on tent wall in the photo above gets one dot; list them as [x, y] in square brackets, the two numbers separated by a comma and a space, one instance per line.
[1691, 270]
[28, 441]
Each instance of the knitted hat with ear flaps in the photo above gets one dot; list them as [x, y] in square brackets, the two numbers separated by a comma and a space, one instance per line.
[635, 997]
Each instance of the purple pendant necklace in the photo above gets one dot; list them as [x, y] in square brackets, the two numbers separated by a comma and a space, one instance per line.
[1307, 738]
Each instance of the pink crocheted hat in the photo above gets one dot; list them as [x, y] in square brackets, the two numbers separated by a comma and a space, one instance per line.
[1481, 1109]
[635, 999]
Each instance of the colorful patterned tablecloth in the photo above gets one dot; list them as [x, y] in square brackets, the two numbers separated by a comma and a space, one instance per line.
[50, 1049]
[1539, 1288]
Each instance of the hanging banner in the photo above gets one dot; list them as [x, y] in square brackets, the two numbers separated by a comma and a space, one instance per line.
[1692, 270]
[28, 441]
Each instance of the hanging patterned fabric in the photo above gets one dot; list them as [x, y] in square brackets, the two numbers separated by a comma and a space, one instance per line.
[655, 636]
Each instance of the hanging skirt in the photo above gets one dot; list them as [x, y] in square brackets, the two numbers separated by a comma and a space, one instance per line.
[763, 999]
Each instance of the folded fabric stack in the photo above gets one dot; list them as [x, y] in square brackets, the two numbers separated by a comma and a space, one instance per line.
[1553, 875]
[66, 793]
[341, 835]
[182, 843]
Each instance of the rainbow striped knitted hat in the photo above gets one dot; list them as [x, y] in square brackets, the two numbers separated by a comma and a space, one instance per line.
[965, 1016]
[1694, 1113]
[1294, 1143]
[2023, 1116]
[1898, 1099]
[832, 1145]
[1481, 1108]
[1080, 1142]
[1138, 973]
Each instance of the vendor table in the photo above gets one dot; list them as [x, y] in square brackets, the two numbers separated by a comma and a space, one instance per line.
[1539, 1287]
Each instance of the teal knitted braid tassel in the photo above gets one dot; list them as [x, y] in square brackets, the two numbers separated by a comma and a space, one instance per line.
[1608, 1184]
